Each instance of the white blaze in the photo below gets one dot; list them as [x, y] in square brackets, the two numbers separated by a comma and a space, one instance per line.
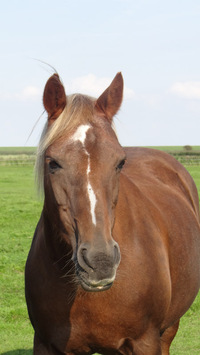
[80, 135]
[93, 201]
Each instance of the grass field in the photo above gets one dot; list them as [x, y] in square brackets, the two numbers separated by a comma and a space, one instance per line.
[20, 211]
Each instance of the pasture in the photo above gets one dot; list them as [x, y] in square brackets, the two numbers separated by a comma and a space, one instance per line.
[20, 211]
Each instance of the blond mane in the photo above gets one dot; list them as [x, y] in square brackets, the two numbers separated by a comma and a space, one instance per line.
[79, 110]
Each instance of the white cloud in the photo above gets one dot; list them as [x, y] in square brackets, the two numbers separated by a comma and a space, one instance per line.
[5, 96]
[29, 93]
[154, 101]
[187, 90]
[129, 93]
[91, 85]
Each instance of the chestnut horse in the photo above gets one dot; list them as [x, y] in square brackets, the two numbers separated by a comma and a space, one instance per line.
[123, 221]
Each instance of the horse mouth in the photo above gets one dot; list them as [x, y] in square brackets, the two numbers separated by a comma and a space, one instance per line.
[90, 286]
[94, 288]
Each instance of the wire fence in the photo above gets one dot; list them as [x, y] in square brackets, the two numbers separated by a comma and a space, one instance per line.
[187, 159]
[22, 159]
[6, 160]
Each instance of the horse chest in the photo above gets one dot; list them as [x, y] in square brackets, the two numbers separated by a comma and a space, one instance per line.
[93, 335]
[95, 326]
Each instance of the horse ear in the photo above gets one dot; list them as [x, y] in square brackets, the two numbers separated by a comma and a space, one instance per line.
[110, 101]
[54, 97]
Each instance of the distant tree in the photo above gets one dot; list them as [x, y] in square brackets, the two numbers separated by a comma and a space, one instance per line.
[187, 148]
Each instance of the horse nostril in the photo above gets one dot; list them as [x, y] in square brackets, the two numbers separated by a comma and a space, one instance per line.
[117, 255]
[101, 262]
[85, 258]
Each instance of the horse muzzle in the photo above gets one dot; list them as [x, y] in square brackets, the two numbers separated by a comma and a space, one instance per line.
[96, 267]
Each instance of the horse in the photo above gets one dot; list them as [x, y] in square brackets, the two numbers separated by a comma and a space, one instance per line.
[115, 259]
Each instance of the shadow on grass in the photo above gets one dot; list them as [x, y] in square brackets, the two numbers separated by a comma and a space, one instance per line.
[18, 352]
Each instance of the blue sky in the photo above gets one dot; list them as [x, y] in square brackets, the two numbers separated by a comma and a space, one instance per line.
[155, 44]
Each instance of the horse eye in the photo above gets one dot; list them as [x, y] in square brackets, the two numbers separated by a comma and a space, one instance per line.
[120, 165]
[53, 166]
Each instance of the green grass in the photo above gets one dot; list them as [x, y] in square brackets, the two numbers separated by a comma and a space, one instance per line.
[176, 148]
[17, 150]
[17, 155]
[20, 211]
[32, 150]
[187, 340]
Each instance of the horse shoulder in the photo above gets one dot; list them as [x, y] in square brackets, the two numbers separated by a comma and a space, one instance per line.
[162, 222]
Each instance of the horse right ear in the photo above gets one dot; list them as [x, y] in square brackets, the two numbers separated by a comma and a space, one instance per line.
[54, 97]
[110, 101]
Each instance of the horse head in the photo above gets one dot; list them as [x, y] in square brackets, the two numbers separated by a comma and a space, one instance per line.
[82, 163]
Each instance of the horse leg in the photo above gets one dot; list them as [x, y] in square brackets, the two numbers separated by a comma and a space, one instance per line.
[147, 347]
[41, 349]
[148, 343]
[167, 338]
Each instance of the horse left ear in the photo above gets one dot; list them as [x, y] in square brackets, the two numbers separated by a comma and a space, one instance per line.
[54, 97]
[110, 101]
